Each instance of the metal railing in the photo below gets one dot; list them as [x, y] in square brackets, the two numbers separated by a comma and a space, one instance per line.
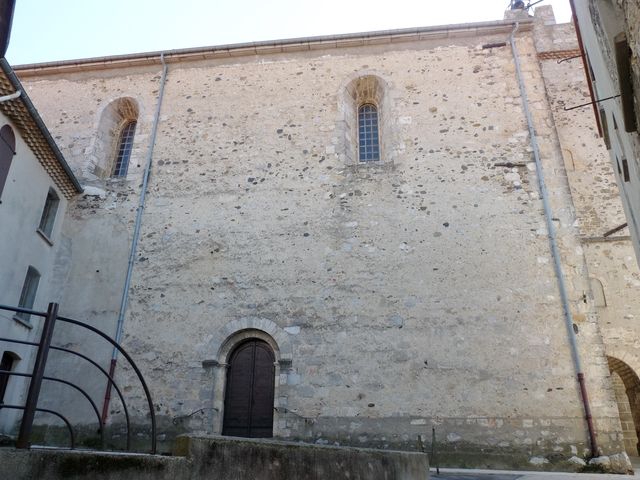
[37, 376]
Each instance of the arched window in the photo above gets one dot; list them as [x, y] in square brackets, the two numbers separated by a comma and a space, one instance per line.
[125, 145]
[28, 294]
[49, 212]
[112, 147]
[7, 151]
[365, 131]
[368, 139]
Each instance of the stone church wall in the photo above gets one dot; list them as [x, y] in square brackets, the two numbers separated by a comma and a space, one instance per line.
[401, 296]
[612, 268]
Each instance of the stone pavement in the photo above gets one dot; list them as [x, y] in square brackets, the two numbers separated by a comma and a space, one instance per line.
[477, 474]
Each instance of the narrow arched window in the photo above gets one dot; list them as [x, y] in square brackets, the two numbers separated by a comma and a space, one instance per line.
[125, 145]
[7, 151]
[368, 140]
[28, 295]
[49, 212]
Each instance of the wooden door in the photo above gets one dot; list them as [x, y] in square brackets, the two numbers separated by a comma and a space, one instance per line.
[248, 401]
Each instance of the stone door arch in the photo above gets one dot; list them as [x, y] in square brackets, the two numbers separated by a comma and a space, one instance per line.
[224, 343]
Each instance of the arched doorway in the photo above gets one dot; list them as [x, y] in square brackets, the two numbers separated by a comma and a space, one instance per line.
[626, 386]
[248, 401]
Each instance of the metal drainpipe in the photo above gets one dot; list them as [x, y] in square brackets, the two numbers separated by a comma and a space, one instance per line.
[11, 96]
[555, 253]
[134, 242]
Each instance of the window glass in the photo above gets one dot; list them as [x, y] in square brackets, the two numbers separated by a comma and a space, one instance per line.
[28, 295]
[605, 128]
[49, 213]
[625, 170]
[125, 146]
[368, 143]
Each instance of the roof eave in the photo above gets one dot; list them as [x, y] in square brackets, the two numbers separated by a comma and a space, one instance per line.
[278, 46]
[24, 98]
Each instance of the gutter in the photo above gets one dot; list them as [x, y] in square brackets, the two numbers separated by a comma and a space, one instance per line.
[11, 96]
[555, 252]
[378, 37]
[11, 76]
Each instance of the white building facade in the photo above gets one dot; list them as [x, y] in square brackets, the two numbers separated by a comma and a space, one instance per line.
[35, 187]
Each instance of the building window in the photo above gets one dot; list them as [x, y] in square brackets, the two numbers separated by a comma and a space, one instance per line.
[605, 128]
[6, 365]
[625, 83]
[366, 133]
[591, 74]
[114, 140]
[368, 140]
[125, 145]
[28, 295]
[7, 151]
[625, 170]
[49, 214]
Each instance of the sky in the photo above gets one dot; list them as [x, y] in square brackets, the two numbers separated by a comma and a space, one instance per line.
[47, 30]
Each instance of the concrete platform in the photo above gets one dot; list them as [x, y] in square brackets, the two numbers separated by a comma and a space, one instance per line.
[217, 458]
[479, 474]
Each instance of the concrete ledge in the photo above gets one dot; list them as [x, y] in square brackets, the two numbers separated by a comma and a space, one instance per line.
[239, 458]
[217, 458]
[50, 464]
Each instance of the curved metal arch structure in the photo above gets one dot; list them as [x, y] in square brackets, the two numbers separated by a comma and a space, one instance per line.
[52, 412]
[72, 385]
[37, 376]
[95, 364]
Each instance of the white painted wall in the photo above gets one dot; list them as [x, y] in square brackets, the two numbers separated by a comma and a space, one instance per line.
[21, 245]
[598, 46]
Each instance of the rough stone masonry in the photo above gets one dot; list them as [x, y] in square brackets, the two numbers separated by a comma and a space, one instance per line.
[412, 293]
